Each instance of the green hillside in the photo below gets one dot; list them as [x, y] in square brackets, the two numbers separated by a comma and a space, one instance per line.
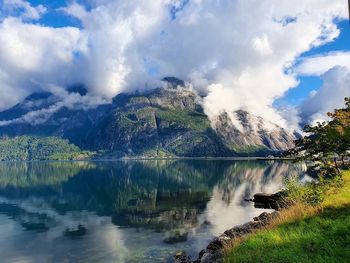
[27, 148]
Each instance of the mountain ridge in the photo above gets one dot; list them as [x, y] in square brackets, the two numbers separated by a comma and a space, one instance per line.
[163, 122]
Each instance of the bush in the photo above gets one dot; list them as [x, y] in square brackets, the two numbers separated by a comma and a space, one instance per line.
[312, 193]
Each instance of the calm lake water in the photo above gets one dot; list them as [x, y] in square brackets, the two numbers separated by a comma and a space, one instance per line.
[132, 211]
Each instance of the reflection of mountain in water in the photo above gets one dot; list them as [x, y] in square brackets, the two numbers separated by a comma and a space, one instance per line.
[32, 174]
[159, 194]
[255, 177]
[136, 211]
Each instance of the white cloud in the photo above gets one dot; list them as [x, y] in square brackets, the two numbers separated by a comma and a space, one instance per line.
[336, 86]
[235, 50]
[26, 10]
[262, 45]
[32, 56]
[35, 48]
[334, 69]
[62, 99]
[318, 65]
[75, 10]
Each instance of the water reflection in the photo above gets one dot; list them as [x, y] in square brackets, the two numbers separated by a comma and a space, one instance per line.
[125, 211]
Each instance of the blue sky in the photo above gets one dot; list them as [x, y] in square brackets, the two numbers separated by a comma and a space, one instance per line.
[310, 83]
[54, 17]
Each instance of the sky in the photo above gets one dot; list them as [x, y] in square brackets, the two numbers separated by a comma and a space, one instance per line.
[286, 62]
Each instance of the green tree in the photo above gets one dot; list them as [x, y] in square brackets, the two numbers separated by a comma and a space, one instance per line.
[326, 141]
[340, 130]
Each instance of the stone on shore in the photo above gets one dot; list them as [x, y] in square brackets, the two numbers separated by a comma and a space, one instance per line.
[214, 252]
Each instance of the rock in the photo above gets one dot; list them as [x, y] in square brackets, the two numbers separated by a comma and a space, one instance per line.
[215, 245]
[218, 255]
[176, 237]
[74, 233]
[181, 257]
[212, 257]
[207, 258]
[263, 216]
[224, 239]
[180, 254]
[269, 201]
[231, 233]
[201, 253]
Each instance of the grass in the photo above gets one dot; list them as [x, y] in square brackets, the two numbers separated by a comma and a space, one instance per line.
[303, 233]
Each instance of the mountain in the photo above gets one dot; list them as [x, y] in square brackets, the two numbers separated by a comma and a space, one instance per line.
[252, 134]
[44, 114]
[162, 122]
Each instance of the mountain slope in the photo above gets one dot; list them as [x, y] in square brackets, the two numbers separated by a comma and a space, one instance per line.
[161, 122]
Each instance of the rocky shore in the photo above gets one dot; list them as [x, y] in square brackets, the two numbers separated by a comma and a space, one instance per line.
[214, 252]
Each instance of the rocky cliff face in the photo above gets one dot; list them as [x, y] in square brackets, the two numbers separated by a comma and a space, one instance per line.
[249, 133]
[162, 122]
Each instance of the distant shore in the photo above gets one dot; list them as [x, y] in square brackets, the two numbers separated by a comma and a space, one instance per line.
[199, 158]
[160, 159]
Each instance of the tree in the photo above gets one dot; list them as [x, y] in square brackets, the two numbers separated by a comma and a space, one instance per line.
[340, 125]
[326, 141]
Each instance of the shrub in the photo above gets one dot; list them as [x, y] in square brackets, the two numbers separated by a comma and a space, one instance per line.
[312, 193]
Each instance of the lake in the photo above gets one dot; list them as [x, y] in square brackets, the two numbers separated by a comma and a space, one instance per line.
[127, 211]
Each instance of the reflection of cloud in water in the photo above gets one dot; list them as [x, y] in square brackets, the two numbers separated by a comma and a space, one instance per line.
[104, 239]
[227, 207]
[69, 220]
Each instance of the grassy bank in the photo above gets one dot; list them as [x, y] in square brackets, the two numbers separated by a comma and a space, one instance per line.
[303, 233]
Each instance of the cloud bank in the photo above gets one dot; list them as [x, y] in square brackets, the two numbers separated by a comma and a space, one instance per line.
[334, 70]
[336, 86]
[319, 65]
[240, 54]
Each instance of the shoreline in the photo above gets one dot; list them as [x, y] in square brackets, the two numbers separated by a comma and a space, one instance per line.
[311, 230]
[214, 251]
[161, 159]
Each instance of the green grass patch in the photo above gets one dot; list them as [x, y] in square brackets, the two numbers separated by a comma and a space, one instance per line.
[321, 236]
